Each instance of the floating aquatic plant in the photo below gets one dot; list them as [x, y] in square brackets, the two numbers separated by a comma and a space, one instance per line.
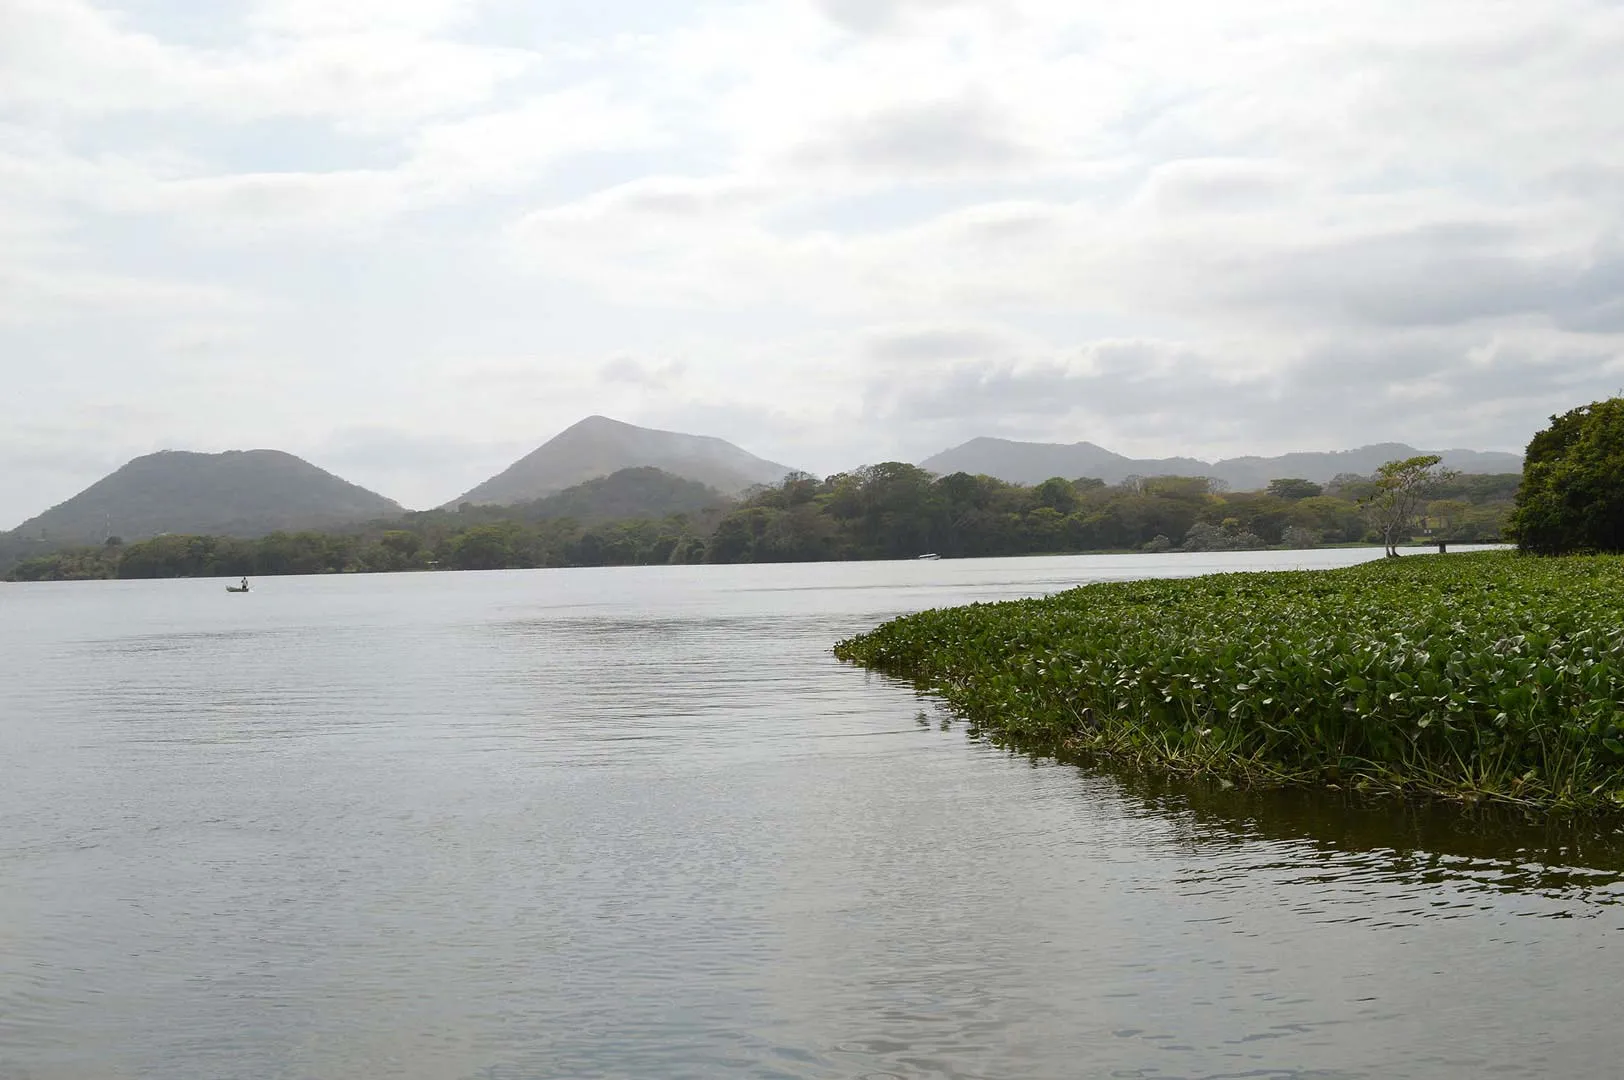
[1483, 675]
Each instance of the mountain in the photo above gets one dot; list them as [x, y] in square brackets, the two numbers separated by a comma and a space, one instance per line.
[598, 446]
[238, 493]
[642, 493]
[1254, 473]
[1032, 463]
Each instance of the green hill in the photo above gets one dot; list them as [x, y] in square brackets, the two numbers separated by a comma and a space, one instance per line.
[238, 493]
[643, 492]
[638, 494]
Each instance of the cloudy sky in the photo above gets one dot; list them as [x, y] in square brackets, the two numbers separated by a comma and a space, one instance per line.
[412, 239]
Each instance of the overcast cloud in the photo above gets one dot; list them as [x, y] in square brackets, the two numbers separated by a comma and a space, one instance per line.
[411, 239]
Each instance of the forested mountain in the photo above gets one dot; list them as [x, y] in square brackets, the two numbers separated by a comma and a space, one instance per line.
[700, 507]
[1032, 463]
[238, 493]
[641, 493]
[890, 510]
[598, 446]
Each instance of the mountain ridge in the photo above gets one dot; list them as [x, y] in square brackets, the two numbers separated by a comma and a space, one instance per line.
[1032, 463]
[251, 492]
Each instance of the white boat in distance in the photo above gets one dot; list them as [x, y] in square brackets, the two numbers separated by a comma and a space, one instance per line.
[932, 556]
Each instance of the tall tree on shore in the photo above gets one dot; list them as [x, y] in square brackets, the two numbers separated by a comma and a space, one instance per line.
[1572, 493]
[1400, 489]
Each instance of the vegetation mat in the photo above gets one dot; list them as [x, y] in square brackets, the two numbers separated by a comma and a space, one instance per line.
[1479, 676]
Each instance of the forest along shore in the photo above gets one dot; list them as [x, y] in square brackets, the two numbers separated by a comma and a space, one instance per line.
[642, 517]
[1477, 676]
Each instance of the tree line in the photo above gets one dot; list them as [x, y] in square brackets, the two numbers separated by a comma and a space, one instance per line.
[1572, 495]
[897, 510]
[886, 511]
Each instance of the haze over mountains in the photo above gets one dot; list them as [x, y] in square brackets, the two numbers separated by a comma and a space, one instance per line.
[599, 446]
[1033, 463]
[649, 474]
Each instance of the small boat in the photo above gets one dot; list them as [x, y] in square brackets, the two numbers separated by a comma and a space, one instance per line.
[929, 558]
[236, 588]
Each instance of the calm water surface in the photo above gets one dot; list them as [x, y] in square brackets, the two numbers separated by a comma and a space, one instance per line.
[640, 823]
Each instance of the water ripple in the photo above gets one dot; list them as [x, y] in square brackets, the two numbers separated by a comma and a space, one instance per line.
[640, 823]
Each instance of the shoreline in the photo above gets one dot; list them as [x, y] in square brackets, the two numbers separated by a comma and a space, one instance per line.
[1475, 677]
[1426, 548]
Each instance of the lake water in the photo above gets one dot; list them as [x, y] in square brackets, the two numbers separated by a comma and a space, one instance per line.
[641, 823]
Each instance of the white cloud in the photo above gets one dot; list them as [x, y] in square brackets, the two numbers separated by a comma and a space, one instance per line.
[834, 231]
[496, 150]
[340, 62]
[967, 133]
[310, 18]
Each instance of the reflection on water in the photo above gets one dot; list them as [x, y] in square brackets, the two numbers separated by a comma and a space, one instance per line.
[641, 823]
[1360, 846]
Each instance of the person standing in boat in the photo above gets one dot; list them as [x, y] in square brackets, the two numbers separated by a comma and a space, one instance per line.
[244, 584]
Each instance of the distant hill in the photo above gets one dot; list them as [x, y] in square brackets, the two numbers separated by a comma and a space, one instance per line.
[644, 492]
[1254, 473]
[238, 493]
[598, 447]
[1032, 463]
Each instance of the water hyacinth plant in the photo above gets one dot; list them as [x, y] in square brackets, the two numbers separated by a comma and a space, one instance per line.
[1479, 676]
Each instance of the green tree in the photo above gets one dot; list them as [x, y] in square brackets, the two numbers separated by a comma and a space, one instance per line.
[1335, 520]
[1230, 536]
[736, 536]
[1572, 493]
[1350, 486]
[405, 544]
[1259, 512]
[799, 534]
[1294, 489]
[484, 547]
[1400, 488]
[1056, 494]
[1445, 513]
[1044, 527]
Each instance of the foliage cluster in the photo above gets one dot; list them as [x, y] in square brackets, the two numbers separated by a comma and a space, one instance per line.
[1572, 493]
[899, 511]
[1464, 675]
[1397, 492]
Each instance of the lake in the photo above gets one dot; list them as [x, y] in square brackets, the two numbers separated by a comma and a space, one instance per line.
[639, 822]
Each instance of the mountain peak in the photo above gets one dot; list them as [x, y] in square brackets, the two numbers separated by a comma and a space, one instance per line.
[599, 446]
[235, 493]
[597, 420]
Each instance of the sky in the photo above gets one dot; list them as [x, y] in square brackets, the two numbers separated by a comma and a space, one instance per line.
[410, 240]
